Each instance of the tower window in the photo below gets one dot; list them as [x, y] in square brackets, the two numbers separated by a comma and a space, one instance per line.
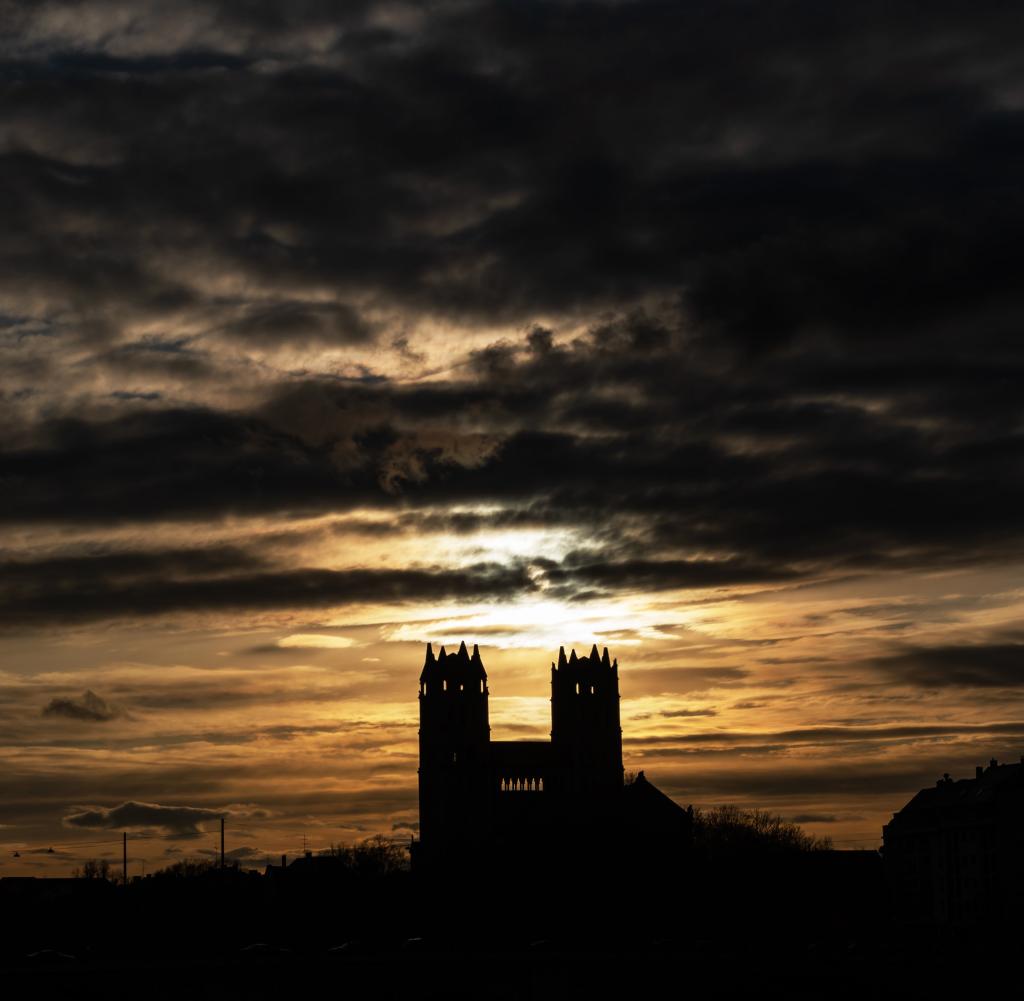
[445, 685]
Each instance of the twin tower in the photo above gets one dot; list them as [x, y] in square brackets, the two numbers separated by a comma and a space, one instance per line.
[480, 794]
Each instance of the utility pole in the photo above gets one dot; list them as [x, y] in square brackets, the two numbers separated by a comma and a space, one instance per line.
[124, 856]
[222, 842]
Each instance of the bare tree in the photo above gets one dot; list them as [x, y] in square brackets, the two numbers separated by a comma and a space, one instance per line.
[373, 856]
[728, 830]
[94, 868]
[187, 868]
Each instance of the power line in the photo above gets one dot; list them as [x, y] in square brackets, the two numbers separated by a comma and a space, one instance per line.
[65, 844]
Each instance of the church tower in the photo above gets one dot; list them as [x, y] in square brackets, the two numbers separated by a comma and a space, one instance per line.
[454, 773]
[586, 737]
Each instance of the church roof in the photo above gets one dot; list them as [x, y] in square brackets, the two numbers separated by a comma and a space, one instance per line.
[649, 809]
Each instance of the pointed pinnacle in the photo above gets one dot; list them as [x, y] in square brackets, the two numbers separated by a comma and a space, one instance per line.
[594, 655]
[561, 657]
[430, 654]
[463, 652]
[605, 662]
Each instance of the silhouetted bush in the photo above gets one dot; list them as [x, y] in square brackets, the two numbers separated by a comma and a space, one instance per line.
[373, 856]
[188, 868]
[728, 831]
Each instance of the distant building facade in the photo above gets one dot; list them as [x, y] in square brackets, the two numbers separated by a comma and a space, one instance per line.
[512, 797]
[955, 853]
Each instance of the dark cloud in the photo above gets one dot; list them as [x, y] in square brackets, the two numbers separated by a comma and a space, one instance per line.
[835, 734]
[968, 665]
[681, 680]
[758, 194]
[817, 209]
[815, 487]
[88, 707]
[154, 356]
[300, 322]
[59, 571]
[175, 821]
[103, 589]
[653, 575]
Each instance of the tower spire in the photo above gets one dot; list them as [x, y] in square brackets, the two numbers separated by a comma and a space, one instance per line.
[428, 663]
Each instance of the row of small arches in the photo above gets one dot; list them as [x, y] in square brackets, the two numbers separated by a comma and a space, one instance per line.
[521, 783]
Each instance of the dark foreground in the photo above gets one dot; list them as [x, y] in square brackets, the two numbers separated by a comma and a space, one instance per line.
[820, 927]
[538, 970]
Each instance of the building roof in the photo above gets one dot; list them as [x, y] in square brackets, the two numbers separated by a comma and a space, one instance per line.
[954, 796]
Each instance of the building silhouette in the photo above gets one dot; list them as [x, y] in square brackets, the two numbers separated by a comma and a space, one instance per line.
[955, 853]
[536, 802]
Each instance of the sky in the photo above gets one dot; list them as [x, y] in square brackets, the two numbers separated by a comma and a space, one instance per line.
[691, 329]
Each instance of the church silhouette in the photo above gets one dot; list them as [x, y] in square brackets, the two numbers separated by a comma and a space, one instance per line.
[536, 802]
